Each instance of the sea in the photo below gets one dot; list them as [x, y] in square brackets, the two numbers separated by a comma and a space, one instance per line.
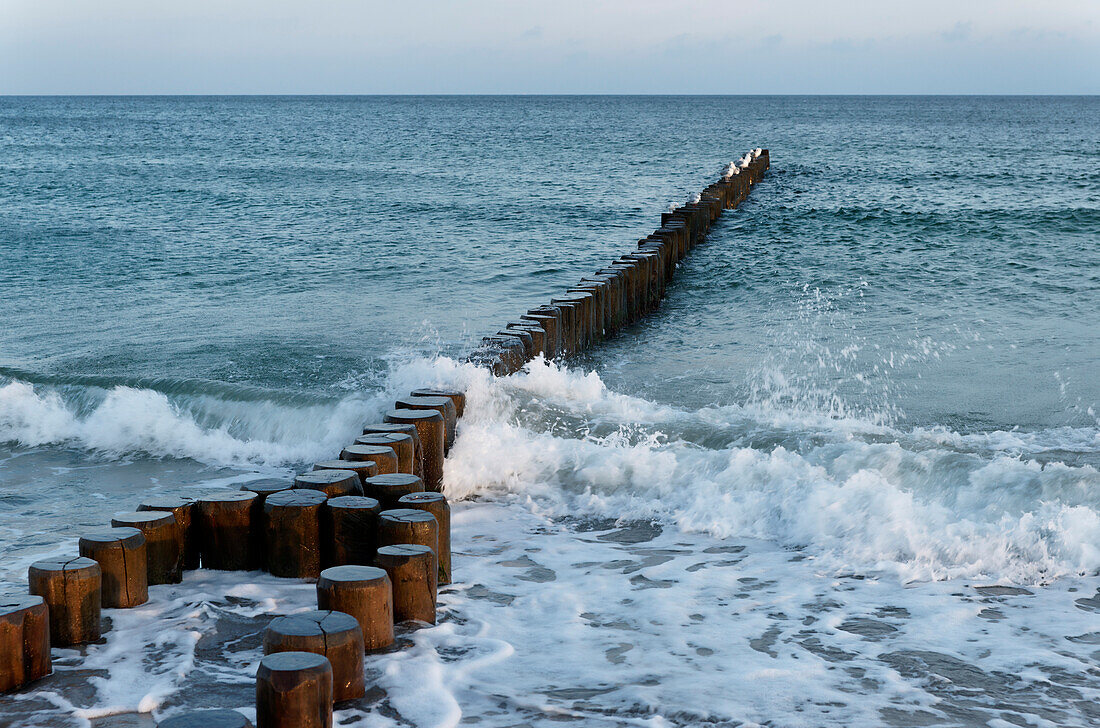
[848, 474]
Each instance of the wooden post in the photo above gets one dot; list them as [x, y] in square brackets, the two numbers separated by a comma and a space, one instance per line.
[122, 559]
[72, 589]
[349, 527]
[206, 719]
[413, 570]
[228, 525]
[293, 533]
[364, 469]
[164, 560]
[24, 641]
[549, 326]
[335, 635]
[436, 504]
[365, 593]
[432, 429]
[409, 525]
[459, 398]
[383, 456]
[570, 318]
[407, 429]
[182, 509]
[333, 483]
[525, 338]
[388, 489]
[294, 690]
[401, 444]
[535, 331]
[443, 405]
[263, 488]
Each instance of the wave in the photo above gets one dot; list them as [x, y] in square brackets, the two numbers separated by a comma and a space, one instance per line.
[854, 493]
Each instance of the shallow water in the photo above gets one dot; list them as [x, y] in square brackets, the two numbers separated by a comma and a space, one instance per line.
[847, 475]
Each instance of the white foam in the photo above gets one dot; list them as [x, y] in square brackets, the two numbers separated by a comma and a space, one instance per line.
[862, 494]
[907, 506]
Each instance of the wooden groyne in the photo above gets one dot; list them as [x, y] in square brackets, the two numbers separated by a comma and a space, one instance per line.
[602, 304]
[371, 528]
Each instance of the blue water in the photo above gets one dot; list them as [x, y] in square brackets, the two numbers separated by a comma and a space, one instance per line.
[887, 360]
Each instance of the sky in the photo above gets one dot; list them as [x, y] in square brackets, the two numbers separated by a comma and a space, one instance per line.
[555, 46]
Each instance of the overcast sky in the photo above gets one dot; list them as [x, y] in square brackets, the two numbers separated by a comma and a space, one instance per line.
[552, 46]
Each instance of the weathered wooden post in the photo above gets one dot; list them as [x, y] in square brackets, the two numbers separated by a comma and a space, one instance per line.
[72, 589]
[294, 690]
[263, 488]
[443, 405]
[349, 530]
[363, 469]
[459, 398]
[334, 635]
[365, 593]
[388, 489]
[227, 525]
[383, 456]
[549, 324]
[406, 429]
[432, 429]
[401, 444]
[524, 338]
[532, 329]
[164, 560]
[292, 529]
[182, 509]
[436, 504]
[409, 525]
[333, 483]
[24, 641]
[413, 571]
[121, 555]
[571, 314]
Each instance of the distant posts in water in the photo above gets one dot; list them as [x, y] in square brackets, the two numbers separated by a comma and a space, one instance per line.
[365, 593]
[619, 294]
[164, 560]
[432, 430]
[412, 570]
[292, 529]
[349, 527]
[294, 690]
[401, 444]
[24, 641]
[183, 510]
[121, 555]
[383, 456]
[333, 483]
[72, 590]
[334, 635]
[229, 524]
[206, 719]
[435, 504]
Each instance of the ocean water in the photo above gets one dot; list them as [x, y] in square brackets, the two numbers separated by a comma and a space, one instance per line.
[847, 475]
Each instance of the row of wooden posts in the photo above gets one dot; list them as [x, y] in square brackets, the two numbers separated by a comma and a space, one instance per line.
[371, 527]
[598, 306]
